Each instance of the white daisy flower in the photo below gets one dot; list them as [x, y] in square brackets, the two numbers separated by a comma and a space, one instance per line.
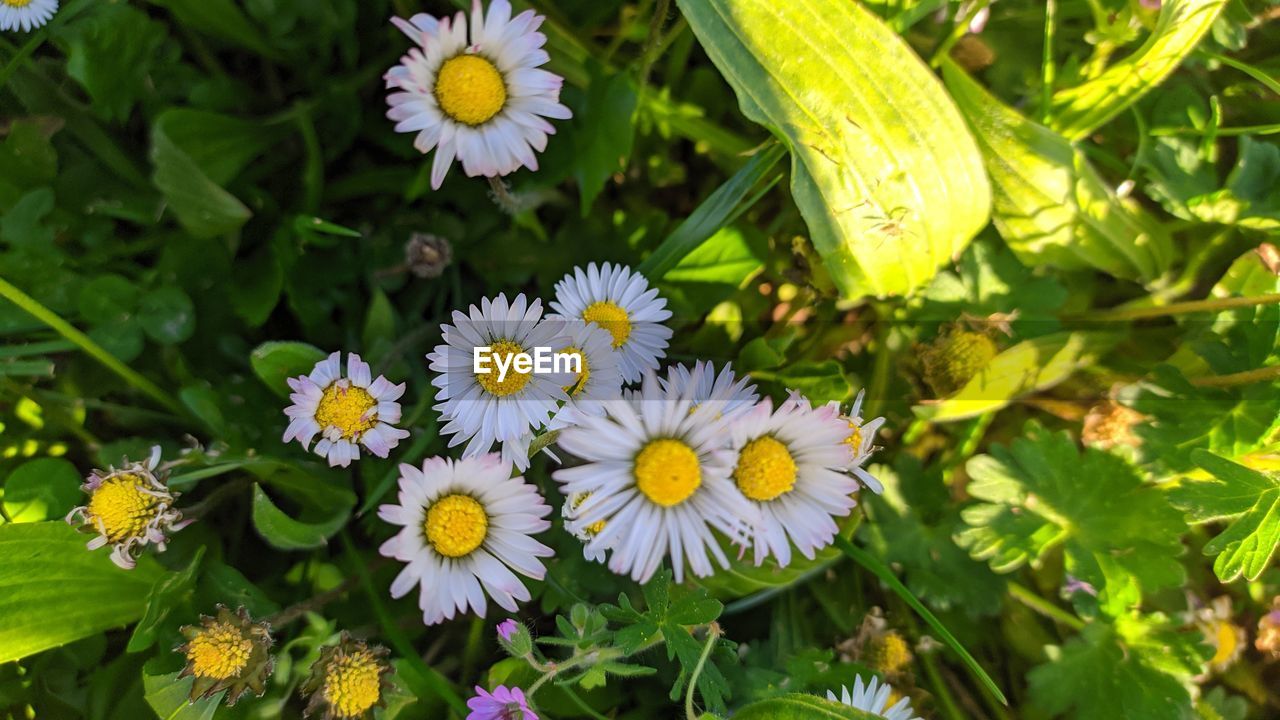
[26, 15]
[599, 377]
[790, 462]
[861, 439]
[583, 531]
[723, 395]
[874, 698]
[346, 412]
[659, 478]
[483, 408]
[483, 101]
[129, 509]
[619, 300]
[467, 525]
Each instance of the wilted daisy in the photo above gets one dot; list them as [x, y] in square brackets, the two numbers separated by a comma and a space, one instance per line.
[467, 525]
[874, 698]
[721, 395]
[26, 14]
[346, 412]
[620, 301]
[483, 101]
[598, 379]
[348, 680]
[659, 478]
[861, 439]
[227, 652]
[129, 509]
[790, 462]
[481, 408]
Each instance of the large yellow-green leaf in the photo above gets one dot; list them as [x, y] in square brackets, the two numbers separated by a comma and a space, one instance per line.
[884, 169]
[1029, 366]
[54, 591]
[1051, 207]
[797, 706]
[1079, 110]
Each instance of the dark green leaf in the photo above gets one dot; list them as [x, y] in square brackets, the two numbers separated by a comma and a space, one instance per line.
[40, 489]
[274, 362]
[167, 315]
[286, 533]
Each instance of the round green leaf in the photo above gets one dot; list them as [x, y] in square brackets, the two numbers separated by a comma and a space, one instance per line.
[274, 362]
[42, 489]
[108, 299]
[167, 315]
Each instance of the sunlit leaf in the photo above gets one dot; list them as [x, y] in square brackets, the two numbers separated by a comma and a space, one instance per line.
[286, 533]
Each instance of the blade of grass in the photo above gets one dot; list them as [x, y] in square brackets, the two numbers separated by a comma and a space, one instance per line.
[882, 571]
[93, 349]
[721, 208]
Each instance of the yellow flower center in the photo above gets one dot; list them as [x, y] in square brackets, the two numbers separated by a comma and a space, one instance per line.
[220, 651]
[854, 440]
[611, 317]
[456, 525]
[765, 469]
[667, 472]
[352, 684]
[121, 509]
[348, 408]
[1226, 642]
[584, 372]
[502, 353]
[470, 89]
[594, 528]
[17, 3]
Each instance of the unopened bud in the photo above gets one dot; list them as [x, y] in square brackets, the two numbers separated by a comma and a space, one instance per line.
[427, 255]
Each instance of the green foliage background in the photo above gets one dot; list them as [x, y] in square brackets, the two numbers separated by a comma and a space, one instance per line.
[199, 198]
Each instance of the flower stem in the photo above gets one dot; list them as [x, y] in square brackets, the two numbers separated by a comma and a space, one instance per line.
[1047, 68]
[1247, 377]
[1044, 607]
[1179, 308]
[93, 349]
[713, 634]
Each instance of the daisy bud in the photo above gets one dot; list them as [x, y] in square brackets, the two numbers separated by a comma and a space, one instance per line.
[427, 255]
[1110, 425]
[129, 509]
[514, 638]
[955, 358]
[348, 681]
[227, 652]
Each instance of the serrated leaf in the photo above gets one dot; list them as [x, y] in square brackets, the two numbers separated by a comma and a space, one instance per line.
[1079, 110]
[40, 565]
[868, 126]
[274, 362]
[1136, 669]
[1051, 206]
[1249, 499]
[1028, 367]
[286, 533]
[1041, 492]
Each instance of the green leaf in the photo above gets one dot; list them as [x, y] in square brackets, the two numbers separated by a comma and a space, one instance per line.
[274, 362]
[1136, 669]
[40, 489]
[1080, 110]
[1248, 499]
[744, 579]
[167, 315]
[718, 210]
[604, 128]
[54, 591]
[989, 280]
[222, 19]
[868, 125]
[168, 695]
[379, 321]
[110, 53]
[23, 225]
[168, 592]
[27, 159]
[202, 207]
[1041, 492]
[1051, 206]
[1028, 367]
[797, 706]
[220, 145]
[203, 402]
[285, 533]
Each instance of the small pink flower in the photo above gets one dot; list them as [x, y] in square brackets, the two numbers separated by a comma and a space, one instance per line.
[503, 704]
[507, 628]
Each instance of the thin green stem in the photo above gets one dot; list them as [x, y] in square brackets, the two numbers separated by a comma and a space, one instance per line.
[1044, 607]
[959, 30]
[582, 704]
[428, 681]
[1248, 377]
[93, 349]
[1047, 69]
[653, 43]
[1180, 308]
[713, 634]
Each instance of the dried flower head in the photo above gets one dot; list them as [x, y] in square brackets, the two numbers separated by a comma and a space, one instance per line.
[427, 255]
[1109, 425]
[348, 681]
[1268, 640]
[129, 509]
[227, 652]
[955, 358]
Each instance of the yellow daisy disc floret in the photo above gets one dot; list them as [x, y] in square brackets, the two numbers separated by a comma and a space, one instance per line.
[667, 472]
[228, 651]
[502, 353]
[584, 371]
[470, 89]
[456, 525]
[765, 469]
[353, 684]
[348, 408]
[611, 317]
[219, 651]
[16, 3]
[121, 509]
